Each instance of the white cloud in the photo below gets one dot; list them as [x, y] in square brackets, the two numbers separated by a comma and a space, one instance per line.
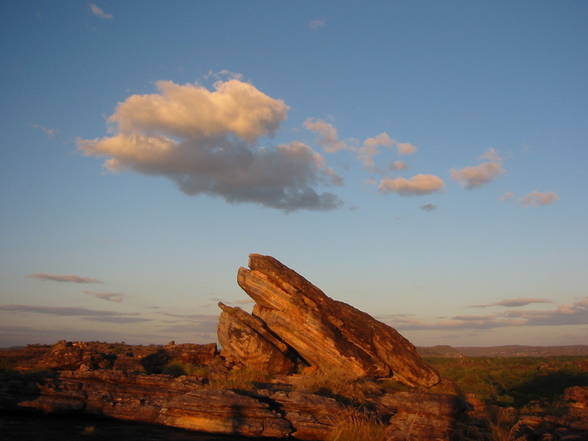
[98, 12]
[538, 199]
[317, 24]
[206, 142]
[398, 165]
[477, 175]
[405, 148]
[417, 185]
[370, 147]
[327, 136]
[491, 155]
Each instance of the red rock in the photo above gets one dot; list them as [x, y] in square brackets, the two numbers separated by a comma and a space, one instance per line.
[326, 333]
[247, 340]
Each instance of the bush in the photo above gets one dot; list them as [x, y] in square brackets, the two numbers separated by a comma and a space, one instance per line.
[177, 368]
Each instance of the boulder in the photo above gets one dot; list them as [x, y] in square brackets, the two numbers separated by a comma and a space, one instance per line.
[246, 340]
[328, 334]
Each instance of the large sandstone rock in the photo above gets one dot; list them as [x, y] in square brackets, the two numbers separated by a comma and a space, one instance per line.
[326, 333]
[246, 340]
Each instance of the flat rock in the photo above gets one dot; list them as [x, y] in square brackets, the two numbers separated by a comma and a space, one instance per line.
[328, 334]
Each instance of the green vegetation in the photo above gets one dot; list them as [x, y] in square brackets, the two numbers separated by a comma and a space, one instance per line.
[524, 383]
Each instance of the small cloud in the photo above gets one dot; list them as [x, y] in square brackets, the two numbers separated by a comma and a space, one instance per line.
[327, 135]
[89, 314]
[370, 147]
[428, 207]
[108, 296]
[507, 196]
[512, 303]
[398, 165]
[317, 24]
[475, 176]
[491, 155]
[417, 185]
[98, 12]
[63, 278]
[51, 133]
[405, 148]
[538, 199]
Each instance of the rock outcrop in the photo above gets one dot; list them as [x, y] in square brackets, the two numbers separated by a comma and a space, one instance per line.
[246, 340]
[328, 334]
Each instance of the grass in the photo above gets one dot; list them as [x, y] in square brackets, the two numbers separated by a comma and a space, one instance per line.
[338, 384]
[244, 379]
[354, 425]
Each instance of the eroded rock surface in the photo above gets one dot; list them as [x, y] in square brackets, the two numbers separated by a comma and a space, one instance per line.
[247, 340]
[326, 333]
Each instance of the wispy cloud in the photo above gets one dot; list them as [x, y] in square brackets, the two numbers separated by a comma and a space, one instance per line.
[51, 133]
[317, 24]
[66, 311]
[428, 207]
[398, 165]
[517, 302]
[415, 186]
[478, 175]
[507, 196]
[539, 199]
[98, 12]
[206, 142]
[63, 278]
[327, 136]
[369, 149]
[108, 296]
[404, 148]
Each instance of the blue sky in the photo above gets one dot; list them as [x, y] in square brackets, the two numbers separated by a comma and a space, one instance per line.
[298, 130]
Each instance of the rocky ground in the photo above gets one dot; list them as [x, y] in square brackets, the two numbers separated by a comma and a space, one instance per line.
[302, 366]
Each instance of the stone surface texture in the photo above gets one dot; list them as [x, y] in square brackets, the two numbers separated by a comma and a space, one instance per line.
[247, 340]
[326, 333]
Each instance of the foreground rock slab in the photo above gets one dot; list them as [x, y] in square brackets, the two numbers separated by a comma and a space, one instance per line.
[328, 334]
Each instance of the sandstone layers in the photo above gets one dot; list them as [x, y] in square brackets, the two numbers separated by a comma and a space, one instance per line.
[292, 316]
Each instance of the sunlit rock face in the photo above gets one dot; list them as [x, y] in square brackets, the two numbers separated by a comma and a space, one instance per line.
[326, 333]
[247, 341]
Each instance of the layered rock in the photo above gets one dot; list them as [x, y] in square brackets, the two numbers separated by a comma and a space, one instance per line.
[326, 333]
[247, 340]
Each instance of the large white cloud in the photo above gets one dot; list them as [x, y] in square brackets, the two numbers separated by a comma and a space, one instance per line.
[417, 185]
[206, 142]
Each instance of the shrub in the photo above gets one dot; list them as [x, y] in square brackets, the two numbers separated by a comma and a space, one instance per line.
[177, 368]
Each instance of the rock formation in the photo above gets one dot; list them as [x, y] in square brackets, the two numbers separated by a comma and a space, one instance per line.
[328, 334]
[247, 340]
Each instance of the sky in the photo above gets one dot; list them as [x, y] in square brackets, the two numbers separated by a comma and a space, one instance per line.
[422, 161]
